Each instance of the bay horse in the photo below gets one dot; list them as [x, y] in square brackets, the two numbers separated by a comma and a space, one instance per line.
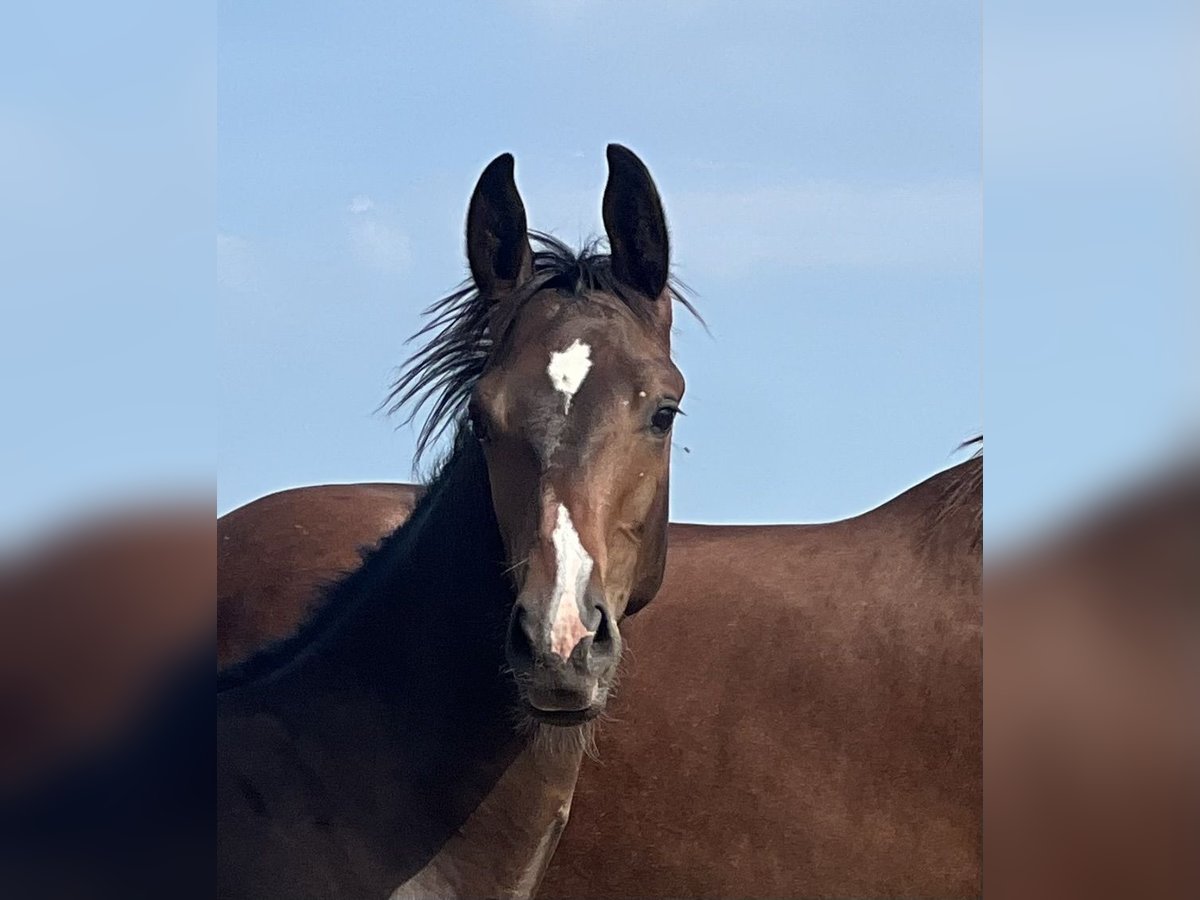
[421, 734]
[825, 742]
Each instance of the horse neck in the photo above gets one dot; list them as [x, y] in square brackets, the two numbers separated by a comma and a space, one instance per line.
[444, 597]
[426, 613]
[410, 693]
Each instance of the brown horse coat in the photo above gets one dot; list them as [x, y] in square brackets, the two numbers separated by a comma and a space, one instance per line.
[800, 716]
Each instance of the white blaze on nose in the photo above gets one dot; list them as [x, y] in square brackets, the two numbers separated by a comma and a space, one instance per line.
[568, 368]
[573, 569]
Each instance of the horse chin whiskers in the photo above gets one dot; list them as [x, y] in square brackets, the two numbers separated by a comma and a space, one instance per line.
[553, 740]
[560, 741]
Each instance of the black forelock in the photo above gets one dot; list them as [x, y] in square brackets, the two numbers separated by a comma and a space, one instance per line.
[458, 338]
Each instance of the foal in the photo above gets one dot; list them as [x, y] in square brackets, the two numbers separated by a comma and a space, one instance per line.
[389, 747]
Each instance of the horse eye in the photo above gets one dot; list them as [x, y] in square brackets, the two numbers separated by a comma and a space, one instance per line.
[663, 419]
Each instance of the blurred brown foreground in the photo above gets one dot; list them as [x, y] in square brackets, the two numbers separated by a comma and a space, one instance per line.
[107, 630]
[1092, 702]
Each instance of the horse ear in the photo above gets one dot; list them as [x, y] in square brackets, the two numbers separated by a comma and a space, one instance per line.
[498, 248]
[636, 226]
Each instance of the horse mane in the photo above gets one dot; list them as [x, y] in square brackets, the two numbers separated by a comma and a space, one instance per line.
[343, 595]
[459, 337]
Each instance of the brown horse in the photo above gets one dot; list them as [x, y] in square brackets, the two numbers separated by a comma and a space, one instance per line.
[452, 673]
[825, 742]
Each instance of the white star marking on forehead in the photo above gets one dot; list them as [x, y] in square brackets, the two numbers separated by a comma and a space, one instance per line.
[567, 370]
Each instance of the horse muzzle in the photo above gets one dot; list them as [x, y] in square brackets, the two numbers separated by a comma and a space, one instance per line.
[563, 664]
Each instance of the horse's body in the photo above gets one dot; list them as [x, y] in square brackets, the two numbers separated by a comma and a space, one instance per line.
[801, 714]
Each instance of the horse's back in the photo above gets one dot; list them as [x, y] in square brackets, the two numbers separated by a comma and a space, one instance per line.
[912, 564]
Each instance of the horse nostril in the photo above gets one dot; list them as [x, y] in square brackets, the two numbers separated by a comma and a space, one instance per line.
[520, 648]
[602, 640]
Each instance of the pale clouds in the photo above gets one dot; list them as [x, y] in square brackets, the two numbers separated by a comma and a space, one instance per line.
[932, 225]
[375, 239]
[1111, 100]
[380, 245]
[816, 224]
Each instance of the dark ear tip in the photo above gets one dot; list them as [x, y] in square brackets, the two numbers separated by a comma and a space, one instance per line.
[621, 156]
[500, 166]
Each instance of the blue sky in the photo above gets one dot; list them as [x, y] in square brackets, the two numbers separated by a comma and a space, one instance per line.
[1091, 230]
[819, 163]
[107, 170]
